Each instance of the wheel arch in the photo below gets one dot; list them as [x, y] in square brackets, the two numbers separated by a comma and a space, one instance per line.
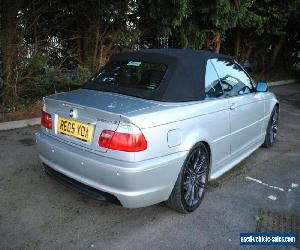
[208, 149]
[277, 105]
[174, 197]
[207, 145]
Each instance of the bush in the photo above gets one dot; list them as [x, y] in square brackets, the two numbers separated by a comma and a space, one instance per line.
[38, 79]
[82, 75]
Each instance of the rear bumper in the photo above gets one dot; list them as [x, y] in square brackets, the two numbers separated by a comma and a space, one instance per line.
[134, 184]
[80, 187]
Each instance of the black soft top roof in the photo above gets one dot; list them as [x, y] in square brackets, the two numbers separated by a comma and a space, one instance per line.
[185, 76]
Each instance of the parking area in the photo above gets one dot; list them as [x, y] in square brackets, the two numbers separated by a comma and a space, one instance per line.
[38, 212]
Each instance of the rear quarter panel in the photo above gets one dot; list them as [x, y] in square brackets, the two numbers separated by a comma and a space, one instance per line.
[206, 121]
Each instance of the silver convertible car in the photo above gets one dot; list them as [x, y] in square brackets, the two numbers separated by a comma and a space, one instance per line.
[156, 125]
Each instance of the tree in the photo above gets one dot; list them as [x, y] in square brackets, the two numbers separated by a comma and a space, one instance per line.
[9, 40]
[159, 19]
[43, 39]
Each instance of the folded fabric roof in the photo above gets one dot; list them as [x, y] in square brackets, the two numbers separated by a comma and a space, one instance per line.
[185, 76]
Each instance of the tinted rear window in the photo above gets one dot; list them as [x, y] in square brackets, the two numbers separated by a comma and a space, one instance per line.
[130, 74]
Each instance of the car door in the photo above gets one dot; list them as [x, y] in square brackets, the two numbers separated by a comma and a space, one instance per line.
[218, 119]
[246, 106]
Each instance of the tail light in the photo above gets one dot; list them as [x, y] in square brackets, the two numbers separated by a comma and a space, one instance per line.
[129, 141]
[46, 120]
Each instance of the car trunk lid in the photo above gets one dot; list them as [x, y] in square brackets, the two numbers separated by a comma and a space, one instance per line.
[94, 109]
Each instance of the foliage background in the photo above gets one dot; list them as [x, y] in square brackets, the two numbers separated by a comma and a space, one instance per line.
[54, 45]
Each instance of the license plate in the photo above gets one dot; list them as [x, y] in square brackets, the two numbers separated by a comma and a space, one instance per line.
[77, 129]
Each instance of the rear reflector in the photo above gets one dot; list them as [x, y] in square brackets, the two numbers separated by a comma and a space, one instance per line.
[46, 120]
[122, 141]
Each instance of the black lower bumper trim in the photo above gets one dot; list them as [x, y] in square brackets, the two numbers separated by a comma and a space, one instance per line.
[80, 187]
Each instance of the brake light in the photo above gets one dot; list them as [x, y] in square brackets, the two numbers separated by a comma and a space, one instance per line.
[46, 120]
[122, 141]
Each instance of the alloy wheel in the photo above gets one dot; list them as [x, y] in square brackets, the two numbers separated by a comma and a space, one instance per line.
[195, 176]
[274, 126]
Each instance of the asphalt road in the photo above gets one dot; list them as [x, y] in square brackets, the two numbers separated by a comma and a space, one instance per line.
[38, 212]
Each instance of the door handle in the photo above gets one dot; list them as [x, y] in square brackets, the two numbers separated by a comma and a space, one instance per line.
[233, 106]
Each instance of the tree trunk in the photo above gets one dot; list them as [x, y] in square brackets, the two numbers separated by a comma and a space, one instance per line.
[9, 89]
[217, 42]
[9, 44]
[277, 49]
[237, 5]
[94, 63]
[246, 53]
[79, 45]
[237, 44]
[85, 48]
[101, 55]
[249, 51]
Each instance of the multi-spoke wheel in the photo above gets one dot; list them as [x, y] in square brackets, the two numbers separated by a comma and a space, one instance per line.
[190, 186]
[272, 128]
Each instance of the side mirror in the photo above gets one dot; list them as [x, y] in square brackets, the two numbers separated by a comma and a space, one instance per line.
[261, 86]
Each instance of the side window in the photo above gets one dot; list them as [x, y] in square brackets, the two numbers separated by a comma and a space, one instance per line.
[233, 79]
[213, 86]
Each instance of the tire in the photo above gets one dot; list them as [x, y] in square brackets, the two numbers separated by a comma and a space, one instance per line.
[191, 183]
[272, 128]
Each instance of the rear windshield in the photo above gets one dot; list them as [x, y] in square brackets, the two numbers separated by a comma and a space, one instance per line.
[129, 74]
